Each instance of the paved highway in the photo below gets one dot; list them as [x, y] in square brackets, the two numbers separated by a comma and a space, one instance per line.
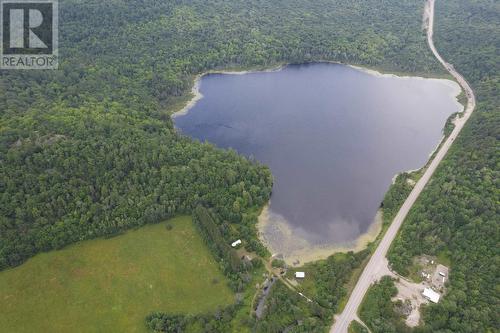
[377, 266]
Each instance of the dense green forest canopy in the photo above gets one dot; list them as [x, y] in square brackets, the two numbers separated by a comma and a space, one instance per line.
[90, 149]
[377, 310]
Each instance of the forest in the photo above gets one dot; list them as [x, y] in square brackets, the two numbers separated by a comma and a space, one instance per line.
[285, 311]
[90, 150]
[218, 321]
[327, 279]
[377, 310]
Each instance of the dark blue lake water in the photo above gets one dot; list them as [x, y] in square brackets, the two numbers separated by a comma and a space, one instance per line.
[333, 136]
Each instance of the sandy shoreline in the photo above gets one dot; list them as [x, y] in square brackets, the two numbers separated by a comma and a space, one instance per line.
[295, 249]
[299, 249]
[197, 95]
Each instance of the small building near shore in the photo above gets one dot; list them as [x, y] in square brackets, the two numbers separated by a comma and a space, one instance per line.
[431, 295]
[300, 275]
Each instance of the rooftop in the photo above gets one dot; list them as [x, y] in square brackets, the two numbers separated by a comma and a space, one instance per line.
[431, 295]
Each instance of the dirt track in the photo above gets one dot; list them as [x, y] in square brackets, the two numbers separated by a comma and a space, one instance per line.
[377, 266]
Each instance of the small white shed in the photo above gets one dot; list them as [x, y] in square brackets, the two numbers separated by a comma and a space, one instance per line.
[300, 275]
[236, 243]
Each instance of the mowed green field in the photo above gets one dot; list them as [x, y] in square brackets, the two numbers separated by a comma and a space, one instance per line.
[111, 285]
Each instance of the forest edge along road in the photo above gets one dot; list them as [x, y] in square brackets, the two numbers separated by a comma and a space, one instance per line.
[377, 265]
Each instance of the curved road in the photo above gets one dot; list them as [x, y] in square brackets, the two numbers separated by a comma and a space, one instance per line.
[377, 266]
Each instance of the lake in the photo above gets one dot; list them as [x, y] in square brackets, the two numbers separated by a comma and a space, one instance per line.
[333, 136]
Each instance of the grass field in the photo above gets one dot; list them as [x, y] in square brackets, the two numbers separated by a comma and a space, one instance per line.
[111, 285]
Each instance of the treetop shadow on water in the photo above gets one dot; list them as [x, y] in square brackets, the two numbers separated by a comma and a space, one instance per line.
[333, 136]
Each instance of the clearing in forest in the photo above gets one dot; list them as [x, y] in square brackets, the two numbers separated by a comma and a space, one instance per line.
[111, 285]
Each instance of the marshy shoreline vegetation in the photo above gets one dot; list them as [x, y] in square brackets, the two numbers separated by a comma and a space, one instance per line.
[90, 150]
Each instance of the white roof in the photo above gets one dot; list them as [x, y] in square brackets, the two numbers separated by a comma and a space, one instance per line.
[236, 243]
[300, 275]
[431, 295]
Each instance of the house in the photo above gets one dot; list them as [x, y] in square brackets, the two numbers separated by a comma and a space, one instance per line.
[431, 295]
[300, 275]
[236, 243]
